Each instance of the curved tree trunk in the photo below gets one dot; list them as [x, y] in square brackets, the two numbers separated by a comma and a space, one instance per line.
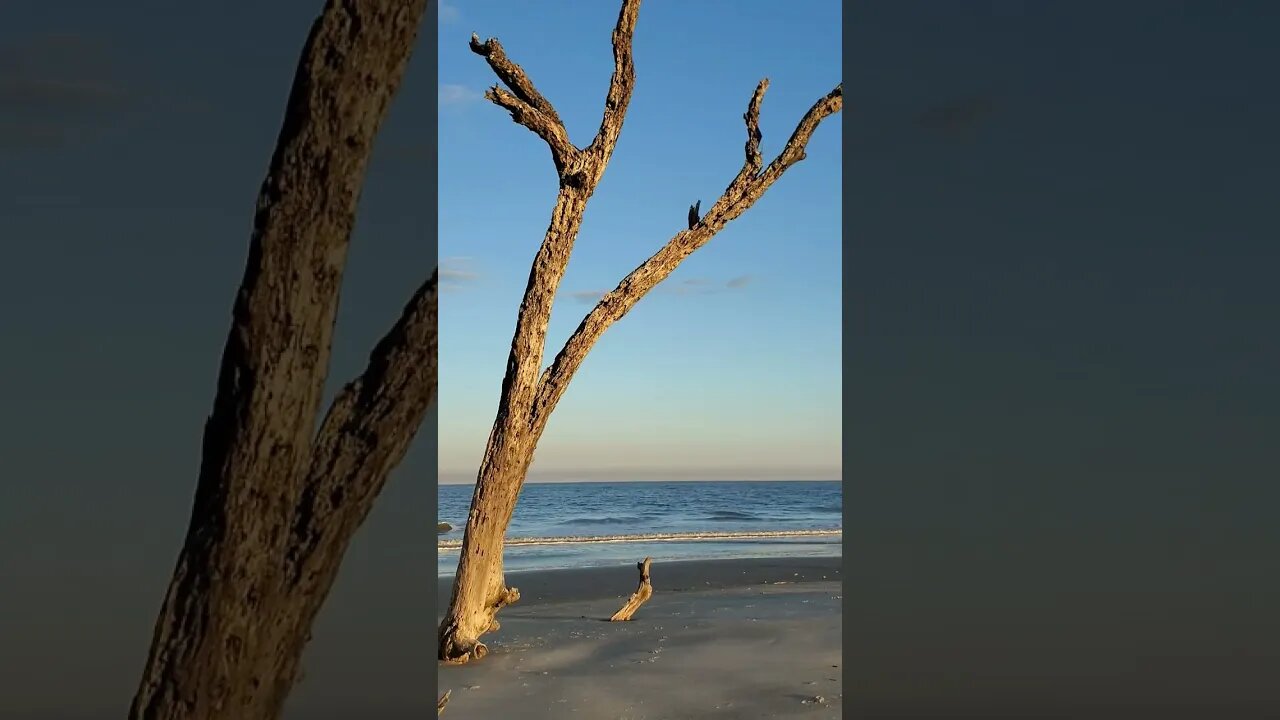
[277, 502]
[479, 590]
[528, 396]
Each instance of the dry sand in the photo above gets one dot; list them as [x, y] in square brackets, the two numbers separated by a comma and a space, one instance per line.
[719, 639]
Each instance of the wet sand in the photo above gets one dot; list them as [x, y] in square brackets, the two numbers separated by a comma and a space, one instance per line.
[719, 639]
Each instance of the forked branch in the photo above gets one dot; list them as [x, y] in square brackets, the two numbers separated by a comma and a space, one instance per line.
[359, 440]
[513, 76]
[580, 172]
[527, 106]
[747, 187]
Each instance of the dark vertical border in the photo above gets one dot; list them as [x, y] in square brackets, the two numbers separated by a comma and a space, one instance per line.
[1021, 586]
[428, 59]
[133, 142]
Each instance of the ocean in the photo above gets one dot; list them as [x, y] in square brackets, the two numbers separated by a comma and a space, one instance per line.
[592, 524]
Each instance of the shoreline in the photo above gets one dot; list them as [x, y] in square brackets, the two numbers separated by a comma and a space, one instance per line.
[748, 637]
[559, 585]
[523, 559]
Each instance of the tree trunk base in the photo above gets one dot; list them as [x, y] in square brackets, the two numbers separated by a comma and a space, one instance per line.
[458, 645]
[639, 597]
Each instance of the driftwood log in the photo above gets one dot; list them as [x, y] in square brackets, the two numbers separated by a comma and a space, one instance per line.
[444, 700]
[639, 597]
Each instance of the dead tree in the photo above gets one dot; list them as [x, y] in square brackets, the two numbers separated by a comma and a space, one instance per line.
[528, 396]
[642, 594]
[278, 500]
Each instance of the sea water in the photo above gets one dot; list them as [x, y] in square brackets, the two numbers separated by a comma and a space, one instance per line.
[590, 524]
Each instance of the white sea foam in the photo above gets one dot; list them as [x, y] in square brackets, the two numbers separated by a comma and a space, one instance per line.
[695, 536]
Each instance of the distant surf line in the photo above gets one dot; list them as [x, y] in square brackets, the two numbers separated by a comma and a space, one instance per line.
[454, 544]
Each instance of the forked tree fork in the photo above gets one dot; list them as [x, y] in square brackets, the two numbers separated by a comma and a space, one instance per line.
[528, 396]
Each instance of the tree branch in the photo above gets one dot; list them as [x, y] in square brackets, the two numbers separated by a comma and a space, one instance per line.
[527, 106]
[580, 171]
[793, 153]
[231, 630]
[563, 152]
[366, 433]
[621, 85]
[513, 76]
[751, 167]
[747, 187]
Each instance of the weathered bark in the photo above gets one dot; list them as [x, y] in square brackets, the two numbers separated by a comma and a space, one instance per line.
[527, 398]
[277, 501]
[639, 597]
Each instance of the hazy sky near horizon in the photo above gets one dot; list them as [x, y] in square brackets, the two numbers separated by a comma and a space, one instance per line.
[732, 367]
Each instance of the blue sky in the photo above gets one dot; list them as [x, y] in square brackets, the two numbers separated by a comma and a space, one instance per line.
[731, 368]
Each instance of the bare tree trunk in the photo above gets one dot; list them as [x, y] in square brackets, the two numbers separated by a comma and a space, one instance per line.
[528, 398]
[277, 502]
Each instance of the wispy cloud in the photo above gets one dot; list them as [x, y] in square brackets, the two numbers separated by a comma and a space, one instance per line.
[587, 297]
[454, 94]
[448, 12]
[456, 273]
[688, 287]
[54, 87]
[958, 117]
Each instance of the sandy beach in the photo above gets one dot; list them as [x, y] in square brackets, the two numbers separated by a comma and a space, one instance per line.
[719, 639]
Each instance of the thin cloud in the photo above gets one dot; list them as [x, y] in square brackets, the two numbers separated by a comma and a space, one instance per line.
[55, 87]
[690, 287]
[958, 117]
[587, 297]
[456, 273]
[56, 74]
[454, 94]
[448, 12]
[453, 276]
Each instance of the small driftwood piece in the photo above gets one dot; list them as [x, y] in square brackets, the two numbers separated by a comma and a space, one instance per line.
[444, 700]
[639, 597]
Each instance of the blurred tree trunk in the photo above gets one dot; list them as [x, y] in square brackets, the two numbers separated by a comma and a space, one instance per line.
[278, 500]
[528, 396]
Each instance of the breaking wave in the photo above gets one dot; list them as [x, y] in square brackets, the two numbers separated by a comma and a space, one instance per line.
[453, 544]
